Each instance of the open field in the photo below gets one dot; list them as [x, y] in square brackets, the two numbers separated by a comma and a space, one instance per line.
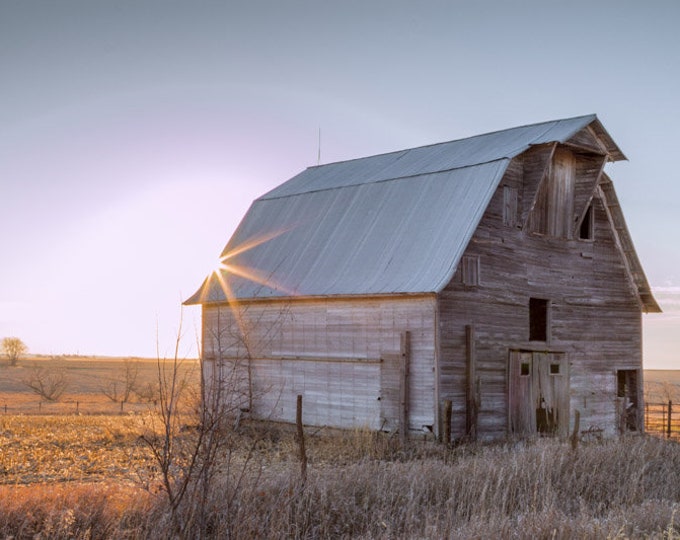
[662, 385]
[88, 379]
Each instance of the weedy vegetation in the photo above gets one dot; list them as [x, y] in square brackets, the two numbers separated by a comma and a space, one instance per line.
[172, 472]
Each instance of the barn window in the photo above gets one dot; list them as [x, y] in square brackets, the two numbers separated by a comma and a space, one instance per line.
[554, 369]
[470, 270]
[525, 369]
[586, 229]
[538, 319]
[509, 206]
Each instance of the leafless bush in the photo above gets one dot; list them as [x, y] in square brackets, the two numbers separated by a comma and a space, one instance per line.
[47, 382]
[119, 389]
[194, 441]
[148, 392]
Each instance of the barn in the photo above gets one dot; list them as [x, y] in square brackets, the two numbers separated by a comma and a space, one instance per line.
[485, 287]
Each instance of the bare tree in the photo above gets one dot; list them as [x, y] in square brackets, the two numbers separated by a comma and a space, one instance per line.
[192, 460]
[47, 382]
[119, 388]
[13, 348]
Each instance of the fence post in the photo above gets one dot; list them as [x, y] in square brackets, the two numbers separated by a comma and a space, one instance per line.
[404, 386]
[668, 420]
[301, 440]
[446, 427]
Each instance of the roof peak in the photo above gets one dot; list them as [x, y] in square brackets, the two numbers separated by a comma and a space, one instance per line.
[591, 118]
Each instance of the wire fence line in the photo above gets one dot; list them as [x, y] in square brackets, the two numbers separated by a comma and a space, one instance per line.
[662, 408]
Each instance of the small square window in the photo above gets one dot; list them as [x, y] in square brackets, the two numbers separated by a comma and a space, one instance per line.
[554, 369]
[525, 369]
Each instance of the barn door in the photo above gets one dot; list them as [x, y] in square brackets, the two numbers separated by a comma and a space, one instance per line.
[538, 393]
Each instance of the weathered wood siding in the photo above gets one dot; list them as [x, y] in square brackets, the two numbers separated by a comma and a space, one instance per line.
[594, 315]
[339, 354]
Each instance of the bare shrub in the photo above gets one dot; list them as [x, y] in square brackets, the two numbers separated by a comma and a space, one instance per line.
[148, 392]
[47, 382]
[119, 388]
[193, 443]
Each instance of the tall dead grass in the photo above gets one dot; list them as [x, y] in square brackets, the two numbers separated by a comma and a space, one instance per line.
[617, 489]
[363, 485]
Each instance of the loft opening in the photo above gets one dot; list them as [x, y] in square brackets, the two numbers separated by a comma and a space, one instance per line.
[538, 319]
[586, 230]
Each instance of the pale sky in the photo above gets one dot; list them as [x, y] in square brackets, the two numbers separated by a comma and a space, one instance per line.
[134, 134]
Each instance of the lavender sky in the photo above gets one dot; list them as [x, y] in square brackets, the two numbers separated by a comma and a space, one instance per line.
[134, 134]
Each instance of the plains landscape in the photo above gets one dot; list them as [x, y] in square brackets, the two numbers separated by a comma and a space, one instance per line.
[78, 467]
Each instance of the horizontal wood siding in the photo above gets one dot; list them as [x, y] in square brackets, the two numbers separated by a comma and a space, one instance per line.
[332, 352]
[595, 317]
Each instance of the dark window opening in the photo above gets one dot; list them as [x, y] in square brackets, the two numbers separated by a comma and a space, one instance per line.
[538, 319]
[627, 390]
[554, 369]
[586, 229]
[525, 369]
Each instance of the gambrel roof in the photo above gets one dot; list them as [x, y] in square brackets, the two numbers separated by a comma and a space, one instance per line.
[395, 223]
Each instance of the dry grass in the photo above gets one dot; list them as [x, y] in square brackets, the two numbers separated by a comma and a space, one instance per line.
[359, 484]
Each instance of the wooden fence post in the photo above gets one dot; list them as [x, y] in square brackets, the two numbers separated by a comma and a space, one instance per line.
[446, 428]
[403, 386]
[668, 420]
[577, 424]
[301, 440]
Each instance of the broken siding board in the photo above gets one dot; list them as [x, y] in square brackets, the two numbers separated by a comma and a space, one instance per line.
[587, 140]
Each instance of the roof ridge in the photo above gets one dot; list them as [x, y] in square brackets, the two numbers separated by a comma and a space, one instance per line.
[382, 180]
[405, 150]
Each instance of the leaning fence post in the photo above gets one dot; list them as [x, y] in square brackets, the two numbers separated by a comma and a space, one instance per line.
[668, 420]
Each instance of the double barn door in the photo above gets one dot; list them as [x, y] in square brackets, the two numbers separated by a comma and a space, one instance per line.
[538, 393]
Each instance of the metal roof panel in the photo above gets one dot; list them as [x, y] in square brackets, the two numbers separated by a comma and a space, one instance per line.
[402, 236]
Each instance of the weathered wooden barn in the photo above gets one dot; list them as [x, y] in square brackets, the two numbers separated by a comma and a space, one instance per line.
[494, 272]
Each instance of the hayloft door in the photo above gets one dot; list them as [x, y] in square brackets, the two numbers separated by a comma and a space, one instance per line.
[538, 393]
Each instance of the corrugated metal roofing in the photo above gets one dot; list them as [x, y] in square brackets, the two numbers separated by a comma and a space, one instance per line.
[437, 157]
[385, 224]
